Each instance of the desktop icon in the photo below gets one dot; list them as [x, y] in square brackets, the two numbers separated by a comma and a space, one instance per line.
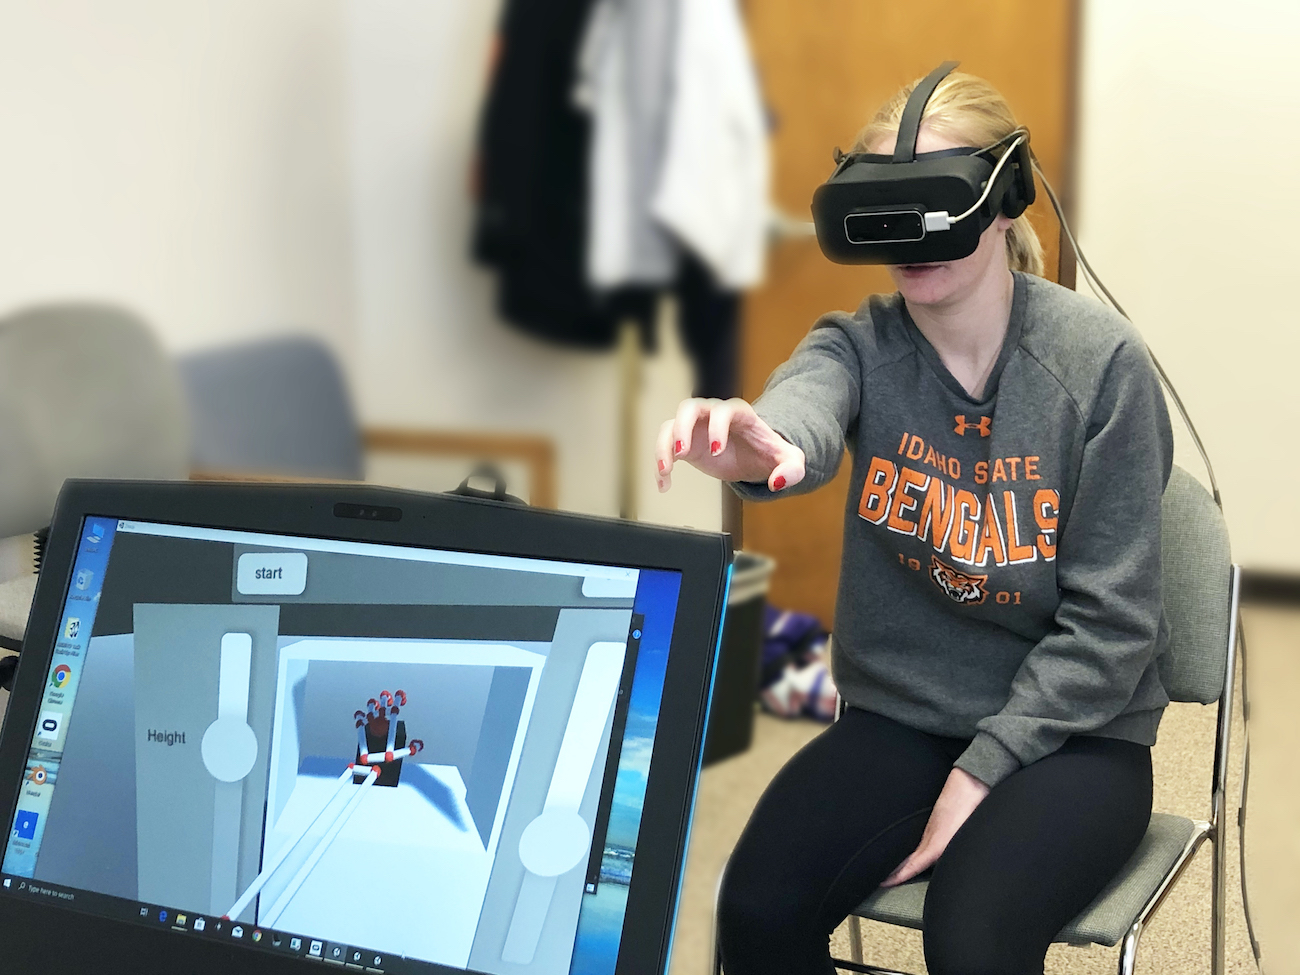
[50, 726]
[25, 824]
[96, 533]
[84, 578]
[72, 627]
[37, 775]
[200, 924]
[62, 674]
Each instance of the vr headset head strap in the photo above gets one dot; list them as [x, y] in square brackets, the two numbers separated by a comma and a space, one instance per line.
[910, 124]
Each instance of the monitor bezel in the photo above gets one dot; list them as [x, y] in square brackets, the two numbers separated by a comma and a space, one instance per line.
[62, 940]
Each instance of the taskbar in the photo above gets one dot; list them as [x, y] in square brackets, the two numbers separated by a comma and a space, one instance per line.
[183, 922]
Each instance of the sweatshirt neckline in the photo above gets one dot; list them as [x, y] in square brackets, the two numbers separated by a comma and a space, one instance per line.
[1009, 342]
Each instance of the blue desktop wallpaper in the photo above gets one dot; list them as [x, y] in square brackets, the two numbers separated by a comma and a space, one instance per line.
[600, 925]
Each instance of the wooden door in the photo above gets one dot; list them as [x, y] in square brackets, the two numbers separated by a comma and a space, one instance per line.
[826, 66]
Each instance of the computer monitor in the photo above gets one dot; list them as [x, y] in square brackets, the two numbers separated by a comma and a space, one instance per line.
[397, 732]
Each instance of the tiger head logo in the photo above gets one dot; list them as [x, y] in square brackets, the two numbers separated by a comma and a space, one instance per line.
[961, 588]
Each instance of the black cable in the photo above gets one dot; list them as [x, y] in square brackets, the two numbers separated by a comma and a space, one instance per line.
[1245, 789]
[39, 542]
[8, 665]
[1164, 377]
[1095, 283]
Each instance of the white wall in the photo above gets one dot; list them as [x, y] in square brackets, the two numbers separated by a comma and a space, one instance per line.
[187, 159]
[241, 167]
[433, 351]
[236, 167]
[1188, 211]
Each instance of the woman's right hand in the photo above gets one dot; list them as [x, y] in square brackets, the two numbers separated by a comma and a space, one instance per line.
[726, 439]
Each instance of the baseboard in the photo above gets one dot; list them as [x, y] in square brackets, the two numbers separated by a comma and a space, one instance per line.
[1269, 587]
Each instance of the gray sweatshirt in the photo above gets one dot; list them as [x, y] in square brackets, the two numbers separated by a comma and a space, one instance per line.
[1001, 569]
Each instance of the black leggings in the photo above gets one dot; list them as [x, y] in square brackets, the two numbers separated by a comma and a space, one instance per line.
[852, 804]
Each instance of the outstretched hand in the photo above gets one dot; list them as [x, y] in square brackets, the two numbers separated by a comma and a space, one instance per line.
[961, 794]
[726, 439]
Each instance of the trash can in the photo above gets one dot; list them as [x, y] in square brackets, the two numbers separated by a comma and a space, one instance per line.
[735, 686]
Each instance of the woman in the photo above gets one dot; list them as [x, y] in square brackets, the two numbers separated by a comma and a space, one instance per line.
[999, 618]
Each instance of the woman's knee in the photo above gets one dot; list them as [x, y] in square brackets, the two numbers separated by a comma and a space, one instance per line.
[751, 912]
[971, 930]
[968, 950]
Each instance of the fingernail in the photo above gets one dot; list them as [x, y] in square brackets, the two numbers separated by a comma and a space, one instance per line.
[678, 448]
[716, 447]
[662, 467]
[779, 483]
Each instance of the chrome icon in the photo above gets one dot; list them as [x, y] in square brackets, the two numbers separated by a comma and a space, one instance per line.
[62, 673]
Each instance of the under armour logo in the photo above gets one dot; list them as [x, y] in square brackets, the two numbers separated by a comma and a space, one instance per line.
[984, 426]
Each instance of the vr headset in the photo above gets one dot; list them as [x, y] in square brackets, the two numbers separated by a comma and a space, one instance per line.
[917, 209]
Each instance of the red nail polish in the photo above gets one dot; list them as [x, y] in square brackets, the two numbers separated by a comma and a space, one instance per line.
[678, 448]
[716, 447]
[779, 483]
[662, 467]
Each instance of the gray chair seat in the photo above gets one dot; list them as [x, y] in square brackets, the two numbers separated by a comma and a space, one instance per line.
[1105, 921]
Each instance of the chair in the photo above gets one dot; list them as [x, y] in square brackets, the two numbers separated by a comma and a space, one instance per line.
[272, 406]
[1201, 588]
[279, 408]
[86, 390]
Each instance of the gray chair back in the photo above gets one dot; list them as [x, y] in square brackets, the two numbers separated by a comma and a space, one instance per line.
[1196, 573]
[276, 406]
[24, 495]
[86, 390]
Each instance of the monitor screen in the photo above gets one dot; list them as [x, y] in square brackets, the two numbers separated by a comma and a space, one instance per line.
[368, 754]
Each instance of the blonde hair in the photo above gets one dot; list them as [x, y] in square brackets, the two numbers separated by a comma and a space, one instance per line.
[970, 110]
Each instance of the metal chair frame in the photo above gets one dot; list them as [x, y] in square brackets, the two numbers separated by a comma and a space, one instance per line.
[1214, 830]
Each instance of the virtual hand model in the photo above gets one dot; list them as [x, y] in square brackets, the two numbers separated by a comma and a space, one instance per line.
[381, 738]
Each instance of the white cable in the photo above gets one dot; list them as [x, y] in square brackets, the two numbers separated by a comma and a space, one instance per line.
[988, 187]
[278, 908]
[284, 851]
[1095, 282]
